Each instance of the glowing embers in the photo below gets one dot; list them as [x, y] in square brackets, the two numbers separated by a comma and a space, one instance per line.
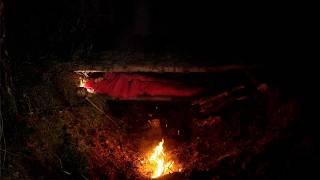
[158, 163]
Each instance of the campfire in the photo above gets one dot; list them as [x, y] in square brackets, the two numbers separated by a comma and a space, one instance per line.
[158, 163]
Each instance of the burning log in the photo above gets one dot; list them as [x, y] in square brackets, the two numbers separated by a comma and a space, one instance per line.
[158, 163]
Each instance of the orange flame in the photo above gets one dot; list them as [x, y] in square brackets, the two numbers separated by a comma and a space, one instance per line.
[158, 163]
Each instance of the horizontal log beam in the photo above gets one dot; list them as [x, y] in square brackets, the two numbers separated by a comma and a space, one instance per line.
[160, 68]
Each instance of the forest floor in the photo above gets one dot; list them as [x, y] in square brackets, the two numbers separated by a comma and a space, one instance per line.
[59, 135]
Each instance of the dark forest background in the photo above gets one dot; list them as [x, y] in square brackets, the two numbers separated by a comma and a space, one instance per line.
[278, 35]
[61, 27]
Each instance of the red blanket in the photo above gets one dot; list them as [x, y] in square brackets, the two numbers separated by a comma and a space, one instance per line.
[130, 85]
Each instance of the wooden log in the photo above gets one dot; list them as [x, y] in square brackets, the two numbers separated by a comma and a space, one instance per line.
[113, 61]
[212, 99]
[161, 68]
[218, 106]
[99, 102]
[215, 103]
